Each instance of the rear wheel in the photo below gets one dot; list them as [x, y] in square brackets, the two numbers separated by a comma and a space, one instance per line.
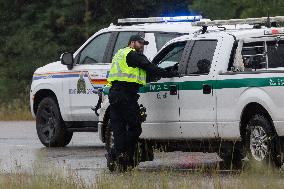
[109, 139]
[50, 126]
[261, 143]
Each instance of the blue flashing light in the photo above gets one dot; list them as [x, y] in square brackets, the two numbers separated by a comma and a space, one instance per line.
[182, 18]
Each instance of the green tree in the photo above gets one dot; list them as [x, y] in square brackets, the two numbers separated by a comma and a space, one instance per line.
[226, 9]
[34, 33]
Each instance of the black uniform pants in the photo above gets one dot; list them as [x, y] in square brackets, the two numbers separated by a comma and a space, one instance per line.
[124, 121]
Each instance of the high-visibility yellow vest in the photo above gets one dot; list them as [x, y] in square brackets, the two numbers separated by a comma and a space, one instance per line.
[120, 71]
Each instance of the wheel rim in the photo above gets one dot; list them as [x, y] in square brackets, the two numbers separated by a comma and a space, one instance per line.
[259, 143]
[47, 122]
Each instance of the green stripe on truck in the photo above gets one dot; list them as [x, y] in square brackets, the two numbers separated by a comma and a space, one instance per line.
[217, 84]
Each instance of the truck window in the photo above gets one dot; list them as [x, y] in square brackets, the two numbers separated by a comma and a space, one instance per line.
[172, 55]
[254, 56]
[122, 41]
[163, 38]
[275, 53]
[94, 52]
[201, 57]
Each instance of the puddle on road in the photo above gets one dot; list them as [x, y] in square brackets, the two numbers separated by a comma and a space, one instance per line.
[88, 162]
[21, 151]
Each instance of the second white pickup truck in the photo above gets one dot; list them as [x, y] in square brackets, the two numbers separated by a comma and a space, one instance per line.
[229, 93]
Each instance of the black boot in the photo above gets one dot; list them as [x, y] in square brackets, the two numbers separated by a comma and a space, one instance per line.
[122, 162]
[111, 160]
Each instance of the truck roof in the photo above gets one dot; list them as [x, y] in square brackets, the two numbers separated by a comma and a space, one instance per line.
[179, 27]
[240, 33]
[255, 33]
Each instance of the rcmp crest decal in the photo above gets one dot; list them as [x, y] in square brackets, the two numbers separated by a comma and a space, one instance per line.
[81, 85]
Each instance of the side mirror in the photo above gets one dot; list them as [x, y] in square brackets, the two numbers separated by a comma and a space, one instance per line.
[67, 59]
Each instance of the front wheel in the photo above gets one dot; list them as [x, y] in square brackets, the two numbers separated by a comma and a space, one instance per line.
[50, 126]
[261, 143]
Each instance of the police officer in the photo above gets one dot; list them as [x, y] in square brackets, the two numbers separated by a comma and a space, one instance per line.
[127, 74]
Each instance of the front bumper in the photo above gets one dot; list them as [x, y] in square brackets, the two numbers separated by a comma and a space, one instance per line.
[32, 104]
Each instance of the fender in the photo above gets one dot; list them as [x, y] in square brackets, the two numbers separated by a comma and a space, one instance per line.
[257, 95]
[49, 86]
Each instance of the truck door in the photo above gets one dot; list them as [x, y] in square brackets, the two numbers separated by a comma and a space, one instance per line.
[197, 97]
[161, 97]
[89, 74]
[92, 68]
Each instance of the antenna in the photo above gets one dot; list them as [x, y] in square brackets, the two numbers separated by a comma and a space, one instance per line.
[204, 29]
[268, 21]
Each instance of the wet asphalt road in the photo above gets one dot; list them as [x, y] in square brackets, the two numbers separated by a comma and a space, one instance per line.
[21, 151]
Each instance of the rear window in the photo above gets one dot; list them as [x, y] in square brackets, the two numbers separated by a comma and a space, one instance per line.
[122, 40]
[254, 55]
[163, 38]
[275, 52]
[262, 55]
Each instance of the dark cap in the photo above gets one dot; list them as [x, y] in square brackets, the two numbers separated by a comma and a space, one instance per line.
[138, 38]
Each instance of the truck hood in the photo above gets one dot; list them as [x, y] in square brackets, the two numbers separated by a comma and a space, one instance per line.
[51, 67]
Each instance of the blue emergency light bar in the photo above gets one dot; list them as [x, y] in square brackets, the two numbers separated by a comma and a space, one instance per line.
[160, 19]
[182, 18]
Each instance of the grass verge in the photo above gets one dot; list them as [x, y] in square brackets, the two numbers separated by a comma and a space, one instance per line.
[146, 180]
[186, 180]
[15, 111]
[26, 181]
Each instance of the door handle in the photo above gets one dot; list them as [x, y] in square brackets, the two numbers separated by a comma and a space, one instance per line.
[173, 90]
[207, 89]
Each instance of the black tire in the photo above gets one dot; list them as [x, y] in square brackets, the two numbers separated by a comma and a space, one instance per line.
[108, 135]
[112, 164]
[50, 127]
[68, 138]
[262, 151]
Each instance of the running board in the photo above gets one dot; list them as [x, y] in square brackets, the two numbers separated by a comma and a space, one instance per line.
[83, 129]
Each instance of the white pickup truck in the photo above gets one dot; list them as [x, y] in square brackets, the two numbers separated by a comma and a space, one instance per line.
[62, 97]
[229, 93]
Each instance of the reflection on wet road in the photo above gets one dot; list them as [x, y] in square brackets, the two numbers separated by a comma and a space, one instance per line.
[22, 151]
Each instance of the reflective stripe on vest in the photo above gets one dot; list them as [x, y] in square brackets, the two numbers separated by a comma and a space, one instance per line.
[120, 74]
[117, 74]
